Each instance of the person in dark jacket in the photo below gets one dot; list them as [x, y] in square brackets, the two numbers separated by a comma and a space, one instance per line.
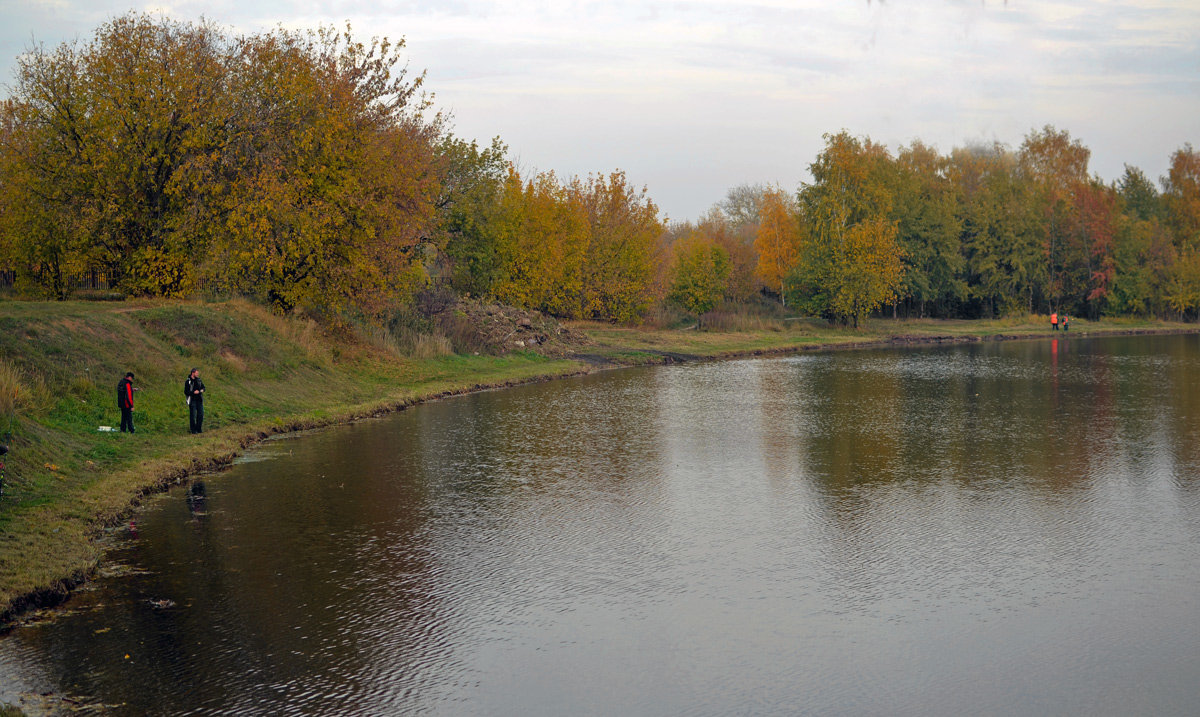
[125, 391]
[193, 388]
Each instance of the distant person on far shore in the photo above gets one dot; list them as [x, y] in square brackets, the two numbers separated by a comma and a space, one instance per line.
[1066, 322]
[1054, 321]
[125, 391]
[193, 388]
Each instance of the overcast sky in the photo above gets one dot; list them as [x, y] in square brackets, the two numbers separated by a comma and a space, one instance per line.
[692, 97]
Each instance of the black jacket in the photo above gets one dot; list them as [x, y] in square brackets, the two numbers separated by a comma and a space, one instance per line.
[125, 393]
[194, 384]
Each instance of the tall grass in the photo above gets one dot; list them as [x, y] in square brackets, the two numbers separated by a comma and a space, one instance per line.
[462, 333]
[16, 392]
[431, 346]
[740, 321]
[406, 341]
[667, 315]
[303, 331]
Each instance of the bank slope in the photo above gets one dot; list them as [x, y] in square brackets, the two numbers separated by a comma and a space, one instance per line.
[66, 481]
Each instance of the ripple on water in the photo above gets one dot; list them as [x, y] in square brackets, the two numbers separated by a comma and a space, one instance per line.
[982, 529]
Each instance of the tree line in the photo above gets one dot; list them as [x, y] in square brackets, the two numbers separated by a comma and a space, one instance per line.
[304, 169]
[984, 231]
[309, 171]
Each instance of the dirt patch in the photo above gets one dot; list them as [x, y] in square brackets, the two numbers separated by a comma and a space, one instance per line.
[233, 361]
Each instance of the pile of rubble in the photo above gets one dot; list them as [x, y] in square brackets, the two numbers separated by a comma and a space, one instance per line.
[500, 329]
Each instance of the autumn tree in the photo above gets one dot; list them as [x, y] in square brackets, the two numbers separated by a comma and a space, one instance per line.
[1143, 253]
[868, 269]
[715, 226]
[624, 228]
[156, 90]
[777, 240]
[109, 139]
[850, 260]
[542, 232]
[1057, 166]
[700, 275]
[295, 167]
[1183, 285]
[1093, 224]
[44, 222]
[324, 200]
[1181, 197]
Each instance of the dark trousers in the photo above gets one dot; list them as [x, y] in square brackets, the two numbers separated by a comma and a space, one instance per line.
[196, 415]
[126, 420]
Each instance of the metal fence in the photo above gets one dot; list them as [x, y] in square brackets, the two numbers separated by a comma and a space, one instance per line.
[89, 280]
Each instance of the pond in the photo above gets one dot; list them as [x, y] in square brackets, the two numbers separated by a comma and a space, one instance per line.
[992, 528]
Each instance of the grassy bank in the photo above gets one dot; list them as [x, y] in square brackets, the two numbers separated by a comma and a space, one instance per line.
[59, 365]
[60, 362]
[636, 345]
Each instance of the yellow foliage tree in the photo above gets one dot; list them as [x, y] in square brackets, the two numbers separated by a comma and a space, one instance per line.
[322, 205]
[777, 239]
[700, 275]
[295, 167]
[623, 232]
[850, 259]
[1181, 196]
[1183, 285]
[869, 269]
[542, 237]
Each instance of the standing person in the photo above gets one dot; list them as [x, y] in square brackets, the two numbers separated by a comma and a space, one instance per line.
[1066, 323]
[1054, 321]
[125, 391]
[193, 388]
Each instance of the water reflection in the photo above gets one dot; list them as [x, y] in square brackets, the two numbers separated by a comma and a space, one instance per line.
[985, 529]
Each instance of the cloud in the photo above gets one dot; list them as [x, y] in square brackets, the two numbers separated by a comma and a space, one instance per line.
[694, 96]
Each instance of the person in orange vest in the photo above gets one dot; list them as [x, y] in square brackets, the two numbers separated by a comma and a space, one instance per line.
[1066, 322]
[1054, 321]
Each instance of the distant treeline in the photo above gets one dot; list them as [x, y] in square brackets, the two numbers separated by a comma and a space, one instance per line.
[308, 170]
[982, 232]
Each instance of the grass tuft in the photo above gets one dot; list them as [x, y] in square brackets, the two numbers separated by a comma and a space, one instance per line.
[427, 346]
[16, 393]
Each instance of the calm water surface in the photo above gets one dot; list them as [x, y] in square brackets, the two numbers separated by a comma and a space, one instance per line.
[992, 529]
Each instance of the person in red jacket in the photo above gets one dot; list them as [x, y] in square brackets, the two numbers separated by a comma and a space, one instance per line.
[125, 391]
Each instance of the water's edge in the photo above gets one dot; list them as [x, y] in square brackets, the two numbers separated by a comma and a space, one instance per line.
[20, 609]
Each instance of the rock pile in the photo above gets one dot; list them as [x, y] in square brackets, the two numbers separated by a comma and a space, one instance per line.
[500, 329]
